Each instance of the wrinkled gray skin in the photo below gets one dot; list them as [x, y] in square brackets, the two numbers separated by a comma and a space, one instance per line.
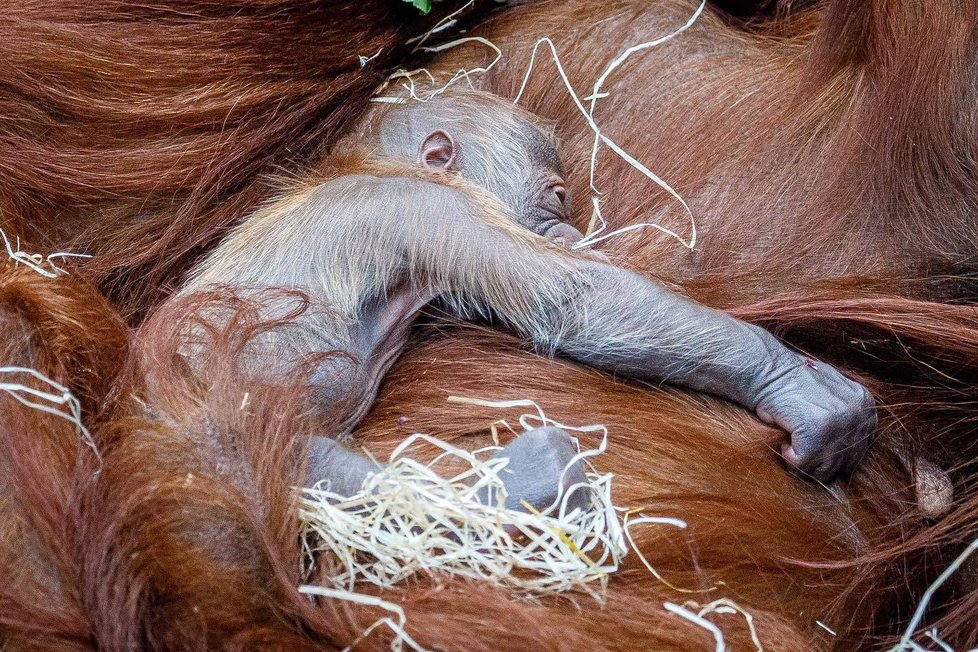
[590, 310]
[540, 453]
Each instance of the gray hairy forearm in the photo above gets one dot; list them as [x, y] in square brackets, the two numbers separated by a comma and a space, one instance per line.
[611, 318]
[621, 322]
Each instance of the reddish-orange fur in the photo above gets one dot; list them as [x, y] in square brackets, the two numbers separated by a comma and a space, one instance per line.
[140, 131]
[140, 134]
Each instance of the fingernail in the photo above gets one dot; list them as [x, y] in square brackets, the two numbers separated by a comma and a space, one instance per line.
[789, 454]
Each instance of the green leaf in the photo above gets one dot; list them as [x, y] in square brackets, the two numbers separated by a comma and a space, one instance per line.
[424, 6]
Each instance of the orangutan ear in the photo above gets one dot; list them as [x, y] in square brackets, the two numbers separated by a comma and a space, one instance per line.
[438, 150]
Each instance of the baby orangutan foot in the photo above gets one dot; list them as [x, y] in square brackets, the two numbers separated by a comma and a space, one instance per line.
[538, 472]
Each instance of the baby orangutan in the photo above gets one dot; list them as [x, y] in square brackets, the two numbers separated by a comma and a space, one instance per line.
[462, 200]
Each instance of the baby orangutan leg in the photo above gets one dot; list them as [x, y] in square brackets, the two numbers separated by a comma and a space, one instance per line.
[536, 474]
[343, 470]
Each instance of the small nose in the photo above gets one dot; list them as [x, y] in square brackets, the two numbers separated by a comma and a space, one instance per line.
[563, 234]
[560, 193]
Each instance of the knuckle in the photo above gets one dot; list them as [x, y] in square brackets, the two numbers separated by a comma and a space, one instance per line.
[805, 444]
[815, 466]
[872, 420]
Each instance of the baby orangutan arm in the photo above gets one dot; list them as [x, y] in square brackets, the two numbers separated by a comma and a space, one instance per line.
[621, 322]
[639, 328]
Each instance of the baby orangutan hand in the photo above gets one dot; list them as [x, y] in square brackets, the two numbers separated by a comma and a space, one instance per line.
[831, 419]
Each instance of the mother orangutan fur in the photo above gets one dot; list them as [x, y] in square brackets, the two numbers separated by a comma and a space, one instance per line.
[829, 159]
